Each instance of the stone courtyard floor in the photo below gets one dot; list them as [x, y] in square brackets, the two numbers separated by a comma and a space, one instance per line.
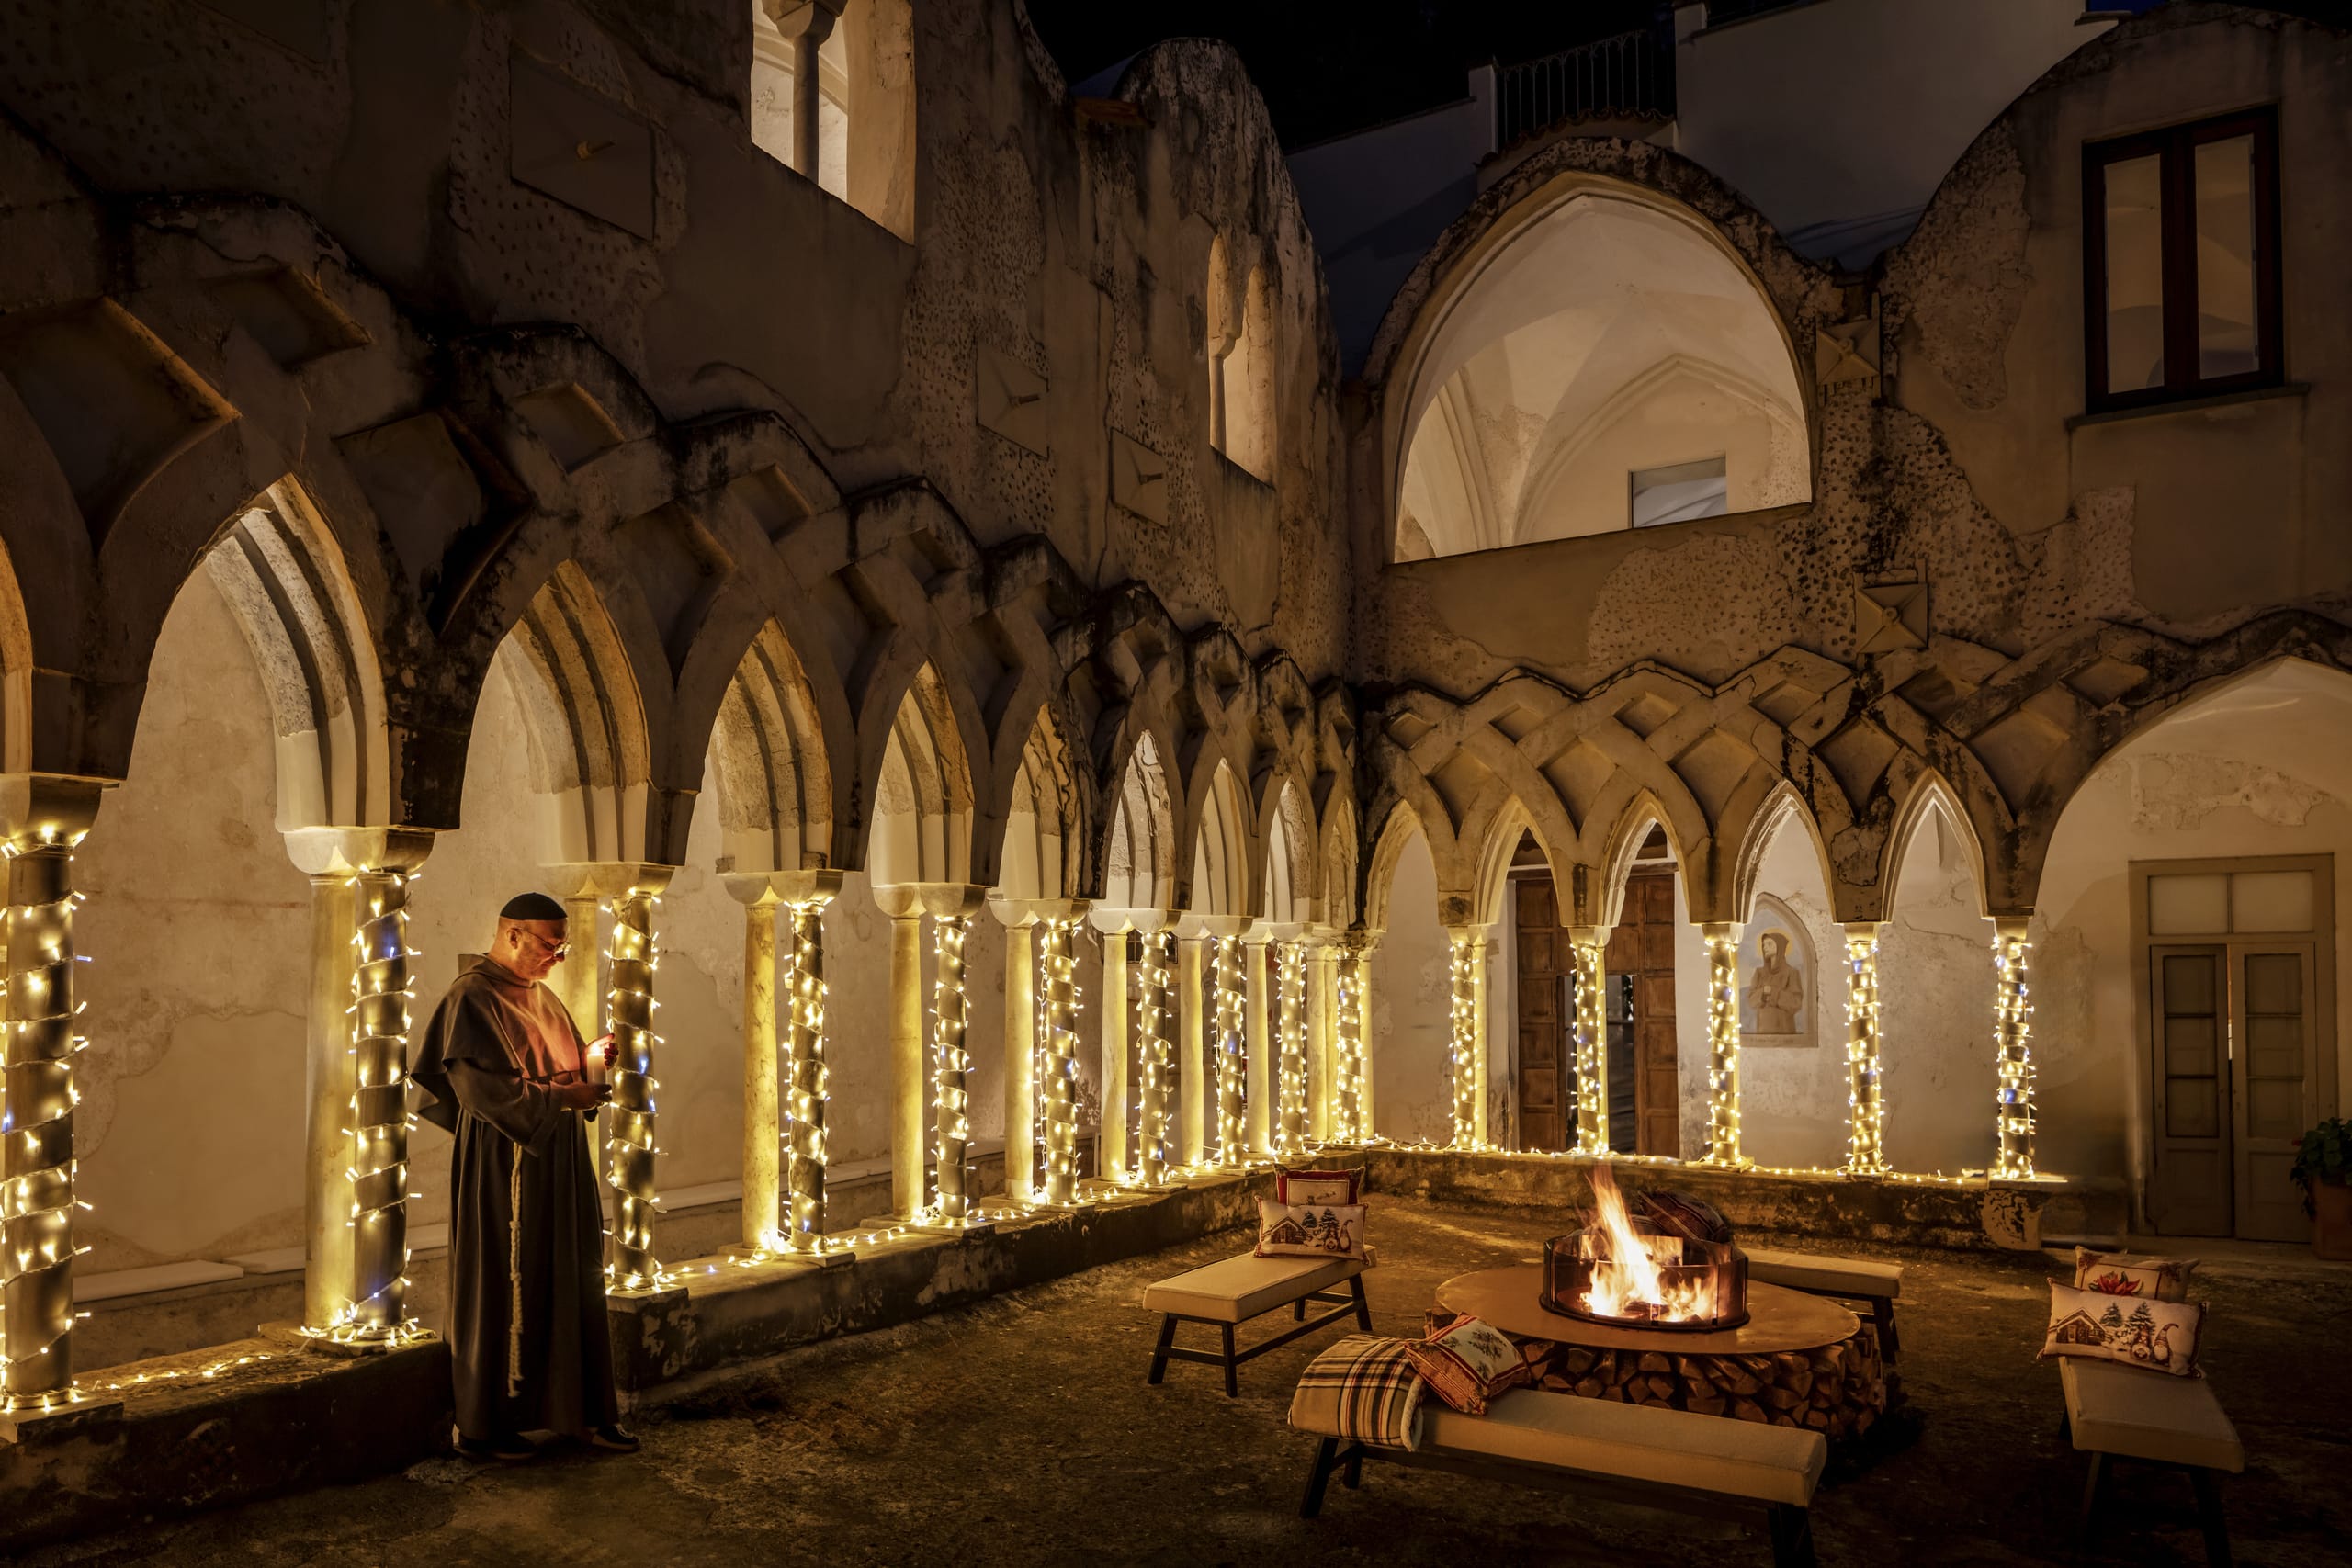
[1021, 1431]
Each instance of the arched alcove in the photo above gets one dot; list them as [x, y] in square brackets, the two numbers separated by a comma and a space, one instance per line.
[1287, 895]
[1411, 1023]
[1936, 981]
[1611, 362]
[1140, 873]
[1221, 849]
[1791, 1000]
[865, 106]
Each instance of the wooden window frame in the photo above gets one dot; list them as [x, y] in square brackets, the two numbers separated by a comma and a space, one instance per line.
[2175, 147]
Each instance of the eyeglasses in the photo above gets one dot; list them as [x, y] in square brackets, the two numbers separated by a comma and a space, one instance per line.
[554, 949]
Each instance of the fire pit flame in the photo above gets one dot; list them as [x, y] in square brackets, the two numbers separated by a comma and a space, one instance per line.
[1629, 1273]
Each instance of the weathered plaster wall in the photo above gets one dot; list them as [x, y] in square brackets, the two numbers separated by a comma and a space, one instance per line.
[1411, 999]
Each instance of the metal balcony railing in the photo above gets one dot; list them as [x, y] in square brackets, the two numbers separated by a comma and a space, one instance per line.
[1630, 76]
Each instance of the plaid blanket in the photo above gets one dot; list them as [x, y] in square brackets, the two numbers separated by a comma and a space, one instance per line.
[1362, 1390]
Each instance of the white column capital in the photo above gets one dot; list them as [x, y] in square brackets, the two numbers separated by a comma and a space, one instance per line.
[347, 851]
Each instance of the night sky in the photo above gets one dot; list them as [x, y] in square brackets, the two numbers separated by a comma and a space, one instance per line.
[1330, 66]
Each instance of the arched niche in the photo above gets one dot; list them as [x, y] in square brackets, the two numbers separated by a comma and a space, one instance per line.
[1288, 893]
[1140, 873]
[767, 758]
[922, 802]
[1043, 829]
[1221, 849]
[584, 723]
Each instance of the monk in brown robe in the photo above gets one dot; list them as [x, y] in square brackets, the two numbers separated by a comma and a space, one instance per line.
[504, 1069]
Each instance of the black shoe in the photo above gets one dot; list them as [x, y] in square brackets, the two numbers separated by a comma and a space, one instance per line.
[613, 1438]
[505, 1446]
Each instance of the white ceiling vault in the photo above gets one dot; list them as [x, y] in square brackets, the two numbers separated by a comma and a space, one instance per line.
[1609, 335]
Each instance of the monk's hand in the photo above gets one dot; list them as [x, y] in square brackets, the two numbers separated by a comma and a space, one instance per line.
[584, 1095]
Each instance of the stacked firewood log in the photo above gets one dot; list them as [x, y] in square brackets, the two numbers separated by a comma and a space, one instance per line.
[1838, 1390]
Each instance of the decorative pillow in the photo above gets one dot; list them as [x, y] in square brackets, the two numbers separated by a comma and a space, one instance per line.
[1468, 1362]
[1318, 1186]
[2158, 1335]
[1310, 1230]
[2122, 1274]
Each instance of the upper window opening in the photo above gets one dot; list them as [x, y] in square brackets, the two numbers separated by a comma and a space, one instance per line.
[861, 146]
[1681, 492]
[1241, 365]
[1612, 366]
[2180, 248]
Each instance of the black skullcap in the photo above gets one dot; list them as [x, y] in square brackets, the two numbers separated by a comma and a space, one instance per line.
[531, 907]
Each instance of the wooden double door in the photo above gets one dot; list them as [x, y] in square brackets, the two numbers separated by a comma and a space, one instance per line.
[1639, 977]
[2234, 1038]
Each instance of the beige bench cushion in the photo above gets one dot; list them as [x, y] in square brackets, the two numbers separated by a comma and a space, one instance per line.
[2140, 1414]
[1828, 1276]
[1673, 1448]
[1239, 1288]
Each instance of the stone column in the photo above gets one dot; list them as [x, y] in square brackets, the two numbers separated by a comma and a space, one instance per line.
[629, 1019]
[1257, 1007]
[1020, 1061]
[2012, 1046]
[1365, 1128]
[327, 1157]
[1057, 1059]
[1154, 1055]
[380, 1114]
[1290, 1030]
[804, 24]
[1723, 1044]
[763, 1113]
[579, 983]
[1193, 1069]
[805, 894]
[951, 1102]
[1463, 965]
[1488, 950]
[1116, 1163]
[1232, 1126]
[1865, 1145]
[1587, 945]
[910, 1091]
[928, 1109]
[1322, 1014]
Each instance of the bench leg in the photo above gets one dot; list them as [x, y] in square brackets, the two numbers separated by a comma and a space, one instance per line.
[1364, 1308]
[1318, 1475]
[1160, 1352]
[1232, 1367]
[2091, 1487]
[1882, 1314]
[1351, 1474]
[1792, 1532]
[1298, 1310]
[2208, 1514]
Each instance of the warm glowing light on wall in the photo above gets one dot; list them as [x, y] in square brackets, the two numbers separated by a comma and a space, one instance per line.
[951, 1105]
[804, 1075]
[1462, 1055]
[629, 1016]
[1154, 1055]
[1232, 1053]
[1722, 1047]
[1865, 1110]
[2012, 1029]
[1591, 1047]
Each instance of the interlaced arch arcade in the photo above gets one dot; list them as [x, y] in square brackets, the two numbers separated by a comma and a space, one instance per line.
[971, 565]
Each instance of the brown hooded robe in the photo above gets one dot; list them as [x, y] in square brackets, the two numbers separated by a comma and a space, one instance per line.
[526, 1304]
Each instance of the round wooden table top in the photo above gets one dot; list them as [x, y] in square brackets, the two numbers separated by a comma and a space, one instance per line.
[1779, 1318]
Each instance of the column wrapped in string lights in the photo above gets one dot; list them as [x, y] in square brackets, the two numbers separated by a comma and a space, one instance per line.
[1155, 1058]
[805, 1076]
[1722, 1046]
[950, 1063]
[380, 1114]
[1290, 1031]
[1232, 1134]
[37, 1202]
[1585, 952]
[629, 1016]
[1865, 1145]
[1462, 980]
[2012, 1045]
[1348, 1125]
[1058, 1063]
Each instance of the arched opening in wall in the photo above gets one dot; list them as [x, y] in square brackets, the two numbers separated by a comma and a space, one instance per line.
[262, 716]
[1412, 992]
[1141, 871]
[1653, 976]
[2186, 945]
[1287, 896]
[1938, 1075]
[1041, 860]
[1221, 849]
[1611, 364]
[1241, 359]
[863, 52]
[16, 674]
[1792, 1086]
[1537, 1018]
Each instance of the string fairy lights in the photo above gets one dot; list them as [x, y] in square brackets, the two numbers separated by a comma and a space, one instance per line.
[1058, 1060]
[1232, 1061]
[1347, 1047]
[1865, 1112]
[37, 1165]
[1722, 1047]
[951, 1105]
[2012, 1030]
[629, 1005]
[1462, 975]
[1154, 1055]
[805, 1076]
[381, 1121]
[1585, 952]
[1290, 1024]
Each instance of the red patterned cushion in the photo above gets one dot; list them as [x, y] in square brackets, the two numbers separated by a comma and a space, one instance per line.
[1298, 1187]
[1468, 1362]
[2124, 1274]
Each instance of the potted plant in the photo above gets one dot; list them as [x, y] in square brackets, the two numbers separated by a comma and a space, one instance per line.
[2323, 1170]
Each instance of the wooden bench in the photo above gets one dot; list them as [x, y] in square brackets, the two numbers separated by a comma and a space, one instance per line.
[1709, 1465]
[1844, 1278]
[1231, 1293]
[2117, 1411]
